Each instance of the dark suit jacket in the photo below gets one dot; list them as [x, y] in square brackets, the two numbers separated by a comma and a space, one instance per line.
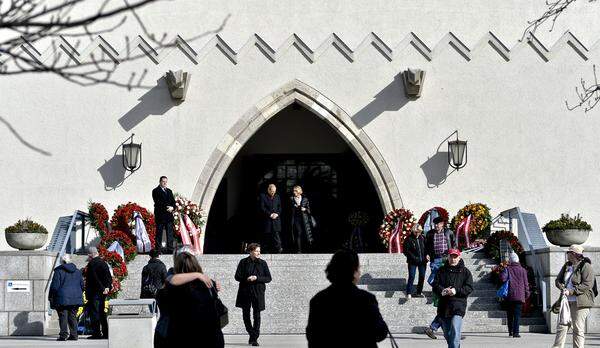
[344, 316]
[162, 199]
[252, 290]
[267, 206]
[97, 277]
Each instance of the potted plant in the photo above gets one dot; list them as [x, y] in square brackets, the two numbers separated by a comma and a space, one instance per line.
[567, 230]
[26, 235]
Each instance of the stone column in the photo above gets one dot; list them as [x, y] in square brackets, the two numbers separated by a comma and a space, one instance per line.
[25, 313]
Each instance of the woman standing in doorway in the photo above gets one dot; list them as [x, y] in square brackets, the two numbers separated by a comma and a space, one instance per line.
[302, 222]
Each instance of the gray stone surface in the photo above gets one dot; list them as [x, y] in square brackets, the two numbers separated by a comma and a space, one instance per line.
[40, 295]
[13, 267]
[40, 266]
[26, 323]
[19, 301]
[3, 323]
[2, 293]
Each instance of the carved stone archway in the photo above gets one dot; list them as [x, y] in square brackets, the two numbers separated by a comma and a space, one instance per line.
[297, 92]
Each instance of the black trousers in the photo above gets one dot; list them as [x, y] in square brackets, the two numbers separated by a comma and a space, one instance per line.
[67, 320]
[302, 243]
[272, 242]
[252, 329]
[168, 226]
[513, 316]
[97, 315]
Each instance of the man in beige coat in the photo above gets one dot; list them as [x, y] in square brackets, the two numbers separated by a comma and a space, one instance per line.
[575, 280]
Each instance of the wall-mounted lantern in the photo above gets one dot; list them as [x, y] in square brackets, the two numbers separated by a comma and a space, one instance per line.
[413, 80]
[457, 153]
[178, 83]
[132, 156]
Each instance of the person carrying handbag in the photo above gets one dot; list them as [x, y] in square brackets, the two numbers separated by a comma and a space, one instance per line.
[576, 281]
[518, 293]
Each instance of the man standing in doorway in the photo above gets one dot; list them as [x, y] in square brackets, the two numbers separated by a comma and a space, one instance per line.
[164, 204]
[270, 213]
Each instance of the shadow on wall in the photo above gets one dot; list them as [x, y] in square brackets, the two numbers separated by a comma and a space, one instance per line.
[391, 98]
[23, 141]
[23, 326]
[436, 167]
[157, 101]
[113, 172]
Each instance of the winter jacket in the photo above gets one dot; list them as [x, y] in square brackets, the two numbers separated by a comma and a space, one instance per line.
[429, 247]
[582, 280]
[66, 288]
[343, 315]
[518, 286]
[154, 273]
[459, 277]
[414, 249]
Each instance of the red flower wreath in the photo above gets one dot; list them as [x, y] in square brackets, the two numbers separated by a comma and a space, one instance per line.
[441, 211]
[391, 220]
[123, 220]
[115, 261]
[98, 217]
[124, 240]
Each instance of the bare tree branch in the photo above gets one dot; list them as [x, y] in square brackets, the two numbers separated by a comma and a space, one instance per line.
[554, 10]
[589, 96]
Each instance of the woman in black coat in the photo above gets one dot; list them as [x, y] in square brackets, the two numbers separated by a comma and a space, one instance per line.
[416, 258]
[252, 273]
[193, 319]
[343, 315]
[301, 220]
[66, 296]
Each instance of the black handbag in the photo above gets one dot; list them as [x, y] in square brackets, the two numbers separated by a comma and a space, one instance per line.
[313, 222]
[221, 309]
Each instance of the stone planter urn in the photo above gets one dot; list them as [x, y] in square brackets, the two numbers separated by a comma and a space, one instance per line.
[26, 240]
[568, 237]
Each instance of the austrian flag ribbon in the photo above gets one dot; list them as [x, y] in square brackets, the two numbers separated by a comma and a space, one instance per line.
[464, 227]
[396, 239]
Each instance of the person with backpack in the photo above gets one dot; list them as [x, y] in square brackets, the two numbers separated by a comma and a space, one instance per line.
[518, 293]
[576, 280]
[154, 275]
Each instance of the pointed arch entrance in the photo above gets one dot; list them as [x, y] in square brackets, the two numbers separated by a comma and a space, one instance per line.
[296, 92]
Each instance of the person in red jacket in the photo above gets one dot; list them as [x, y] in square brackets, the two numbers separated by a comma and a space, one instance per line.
[518, 292]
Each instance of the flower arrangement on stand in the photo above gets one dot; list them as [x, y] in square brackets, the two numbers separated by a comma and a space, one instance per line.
[98, 217]
[440, 211]
[388, 229]
[479, 225]
[189, 208]
[124, 240]
[496, 271]
[123, 220]
[492, 244]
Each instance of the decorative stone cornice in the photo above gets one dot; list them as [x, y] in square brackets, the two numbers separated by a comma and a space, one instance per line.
[256, 42]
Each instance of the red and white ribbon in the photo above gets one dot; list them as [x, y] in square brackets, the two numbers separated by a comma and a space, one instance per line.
[194, 233]
[395, 239]
[464, 226]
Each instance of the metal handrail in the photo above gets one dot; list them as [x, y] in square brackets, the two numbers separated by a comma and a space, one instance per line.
[537, 263]
[74, 218]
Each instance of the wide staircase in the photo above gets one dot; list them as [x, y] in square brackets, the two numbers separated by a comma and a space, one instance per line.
[296, 278]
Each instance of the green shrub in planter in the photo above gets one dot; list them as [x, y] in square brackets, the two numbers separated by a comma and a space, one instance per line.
[567, 222]
[26, 226]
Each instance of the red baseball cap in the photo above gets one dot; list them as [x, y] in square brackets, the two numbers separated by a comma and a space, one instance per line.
[454, 252]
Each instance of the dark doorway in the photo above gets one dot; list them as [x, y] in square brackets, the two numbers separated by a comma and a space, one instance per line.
[294, 148]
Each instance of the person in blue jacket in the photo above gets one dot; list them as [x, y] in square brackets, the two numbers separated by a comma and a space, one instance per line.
[66, 296]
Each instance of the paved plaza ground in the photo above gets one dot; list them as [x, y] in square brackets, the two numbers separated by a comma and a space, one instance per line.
[297, 341]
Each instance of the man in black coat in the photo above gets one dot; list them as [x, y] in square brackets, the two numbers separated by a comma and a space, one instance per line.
[453, 283]
[98, 282]
[343, 315]
[66, 296]
[416, 258]
[154, 275]
[252, 273]
[164, 205]
[270, 214]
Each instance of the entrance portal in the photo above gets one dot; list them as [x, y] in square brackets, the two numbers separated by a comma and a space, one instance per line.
[294, 147]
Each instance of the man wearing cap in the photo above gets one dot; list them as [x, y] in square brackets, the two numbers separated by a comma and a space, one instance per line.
[437, 243]
[453, 283]
[576, 281]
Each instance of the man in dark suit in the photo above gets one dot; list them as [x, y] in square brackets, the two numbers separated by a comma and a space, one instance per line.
[164, 205]
[270, 215]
